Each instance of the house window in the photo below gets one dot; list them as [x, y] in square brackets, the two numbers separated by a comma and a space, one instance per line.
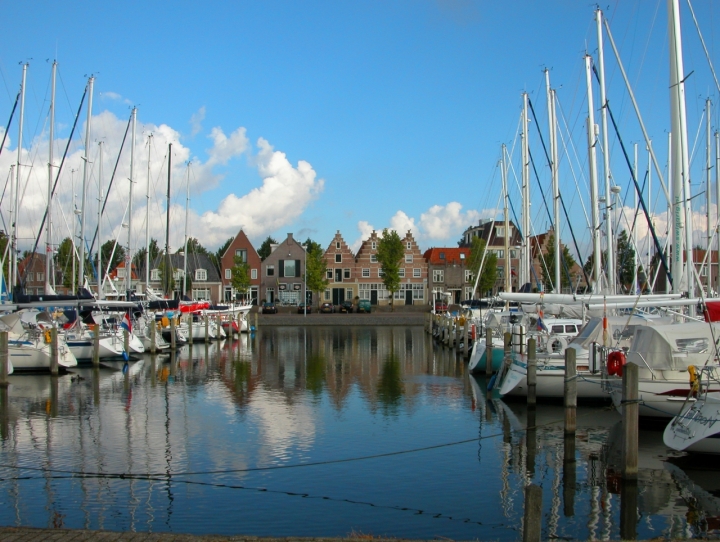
[270, 270]
[366, 273]
[228, 274]
[500, 271]
[30, 277]
[380, 272]
[417, 273]
[155, 274]
[513, 253]
[242, 254]
[338, 258]
[348, 293]
[373, 245]
[329, 274]
[373, 258]
[409, 245]
[408, 258]
[401, 272]
[40, 277]
[442, 255]
[500, 253]
[201, 274]
[346, 273]
[438, 275]
[121, 273]
[468, 275]
[327, 295]
[253, 274]
[337, 244]
[178, 274]
[290, 268]
[500, 231]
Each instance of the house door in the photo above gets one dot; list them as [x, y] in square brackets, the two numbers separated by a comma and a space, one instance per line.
[338, 295]
[373, 297]
[408, 297]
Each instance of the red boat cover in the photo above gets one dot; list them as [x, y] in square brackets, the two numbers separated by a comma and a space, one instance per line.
[712, 311]
[194, 307]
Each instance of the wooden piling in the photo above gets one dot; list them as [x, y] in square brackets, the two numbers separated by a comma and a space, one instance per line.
[570, 391]
[630, 421]
[153, 337]
[532, 522]
[4, 358]
[531, 441]
[190, 328]
[54, 366]
[488, 351]
[531, 372]
[96, 345]
[207, 328]
[126, 342]
[219, 325]
[569, 476]
[173, 337]
[628, 509]
[466, 341]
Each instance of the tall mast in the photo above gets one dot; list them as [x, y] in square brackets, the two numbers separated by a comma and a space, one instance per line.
[634, 230]
[525, 253]
[147, 220]
[83, 196]
[717, 204]
[48, 226]
[554, 172]
[187, 206]
[16, 188]
[168, 271]
[680, 169]
[128, 253]
[610, 259]
[592, 153]
[708, 195]
[506, 223]
[99, 224]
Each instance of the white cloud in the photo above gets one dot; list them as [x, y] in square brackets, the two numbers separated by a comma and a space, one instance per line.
[224, 148]
[196, 121]
[114, 96]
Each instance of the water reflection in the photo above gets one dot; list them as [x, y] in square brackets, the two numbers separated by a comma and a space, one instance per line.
[394, 437]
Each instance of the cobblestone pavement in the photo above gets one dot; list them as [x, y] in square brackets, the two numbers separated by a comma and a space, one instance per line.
[29, 534]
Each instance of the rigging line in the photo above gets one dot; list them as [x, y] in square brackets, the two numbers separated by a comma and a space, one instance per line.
[57, 177]
[637, 187]
[112, 178]
[702, 40]
[7, 126]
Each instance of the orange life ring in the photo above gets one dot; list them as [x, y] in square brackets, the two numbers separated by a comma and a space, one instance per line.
[615, 362]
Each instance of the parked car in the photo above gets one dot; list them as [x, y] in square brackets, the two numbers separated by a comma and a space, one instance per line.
[301, 308]
[347, 306]
[269, 308]
[327, 307]
[363, 305]
[441, 306]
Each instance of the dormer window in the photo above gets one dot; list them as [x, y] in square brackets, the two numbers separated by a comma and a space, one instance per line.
[155, 274]
[201, 274]
[442, 255]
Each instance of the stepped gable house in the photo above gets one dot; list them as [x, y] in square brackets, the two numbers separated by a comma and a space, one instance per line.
[342, 272]
[243, 248]
[282, 273]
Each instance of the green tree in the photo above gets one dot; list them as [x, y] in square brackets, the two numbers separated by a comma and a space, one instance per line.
[107, 254]
[221, 250]
[488, 272]
[265, 248]
[167, 279]
[548, 265]
[139, 258]
[316, 270]
[625, 254]
[240, 273]
[390, 252]
[64, 257]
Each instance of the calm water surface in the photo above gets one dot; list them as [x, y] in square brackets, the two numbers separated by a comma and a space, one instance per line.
[324, 432]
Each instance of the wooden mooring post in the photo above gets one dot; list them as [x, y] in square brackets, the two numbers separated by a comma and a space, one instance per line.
[153, 337]
[630, 421]
[532, 519]
[190, 329]
[54, 367]
[488, 351]
[173, 336]
[570, 391]
[207, 328]
[220, 328]
[96, 345]
[531, 372]
[466, 341]
[4, 358]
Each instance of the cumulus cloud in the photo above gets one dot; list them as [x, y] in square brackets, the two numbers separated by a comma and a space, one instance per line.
[114, 96]
[196, 121]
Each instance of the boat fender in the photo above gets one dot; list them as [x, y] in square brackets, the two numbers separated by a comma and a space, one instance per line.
[615, 362]
[48, 336]
[557, 345]
[694, 380]
[491, 383]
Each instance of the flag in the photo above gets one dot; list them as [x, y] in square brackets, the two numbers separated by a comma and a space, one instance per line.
[126, 324]
[541, 325]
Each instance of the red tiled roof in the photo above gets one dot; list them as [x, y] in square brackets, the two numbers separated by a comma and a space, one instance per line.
[451, 255]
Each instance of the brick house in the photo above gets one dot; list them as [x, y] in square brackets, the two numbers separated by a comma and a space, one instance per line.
[32, 270]
[448, 273]
[493, 233]
[413, 273]
[282, 273]
[539, 245]
[342, 272]
[205, 277]
[242, 247]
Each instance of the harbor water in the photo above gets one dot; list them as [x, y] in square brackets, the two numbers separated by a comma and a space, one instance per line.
[327, 432]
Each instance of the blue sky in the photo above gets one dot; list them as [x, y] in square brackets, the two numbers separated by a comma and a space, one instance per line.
[316, 116]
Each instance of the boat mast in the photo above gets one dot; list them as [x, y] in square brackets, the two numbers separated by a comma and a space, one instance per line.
[100, 274]
[592, 159]
[48, 227]
[86, 158]
[506, 224]
[717, 205]
[16, 187]
[708, 196]
[168, 271]
[147, 220]
[525, 255]
[187, 206]
[680, 163]
[554, 172]
[128, 253]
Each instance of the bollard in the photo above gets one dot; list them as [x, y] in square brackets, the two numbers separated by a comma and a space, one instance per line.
[531, 372]
[153, 338]
[488, 352]
[173, 336]
[466, 340]
[570, 391]
[630, 421]
[54, 368]
[532, 520]
[4, 358]
[569, 476]
[96, 345]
